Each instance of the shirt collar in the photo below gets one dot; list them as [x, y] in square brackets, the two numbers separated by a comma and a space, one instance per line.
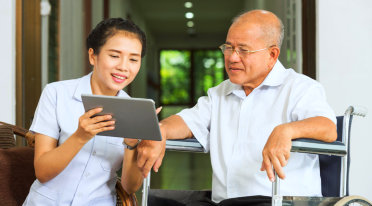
[84, 87]
[235, 88]
[274, 78]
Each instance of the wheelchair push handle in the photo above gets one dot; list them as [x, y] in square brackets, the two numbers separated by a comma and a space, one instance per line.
[358, 111]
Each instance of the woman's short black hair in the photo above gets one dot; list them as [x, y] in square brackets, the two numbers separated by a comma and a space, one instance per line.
[108, 28]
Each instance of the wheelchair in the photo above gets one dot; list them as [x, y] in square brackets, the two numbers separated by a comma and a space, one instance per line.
[334, 160]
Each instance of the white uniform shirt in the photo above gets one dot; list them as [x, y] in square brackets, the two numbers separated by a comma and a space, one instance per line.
[90, 177]
[235, 128]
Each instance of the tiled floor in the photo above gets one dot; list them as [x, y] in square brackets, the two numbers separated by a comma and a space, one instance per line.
[183, 171]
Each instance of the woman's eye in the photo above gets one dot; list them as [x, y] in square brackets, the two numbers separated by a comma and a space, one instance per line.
[134, 60]
[114, 56]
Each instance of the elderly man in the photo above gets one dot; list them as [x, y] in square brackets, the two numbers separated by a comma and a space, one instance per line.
[248, 121]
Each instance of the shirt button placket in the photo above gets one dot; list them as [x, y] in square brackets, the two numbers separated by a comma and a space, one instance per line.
[233, 191]
[230, 179]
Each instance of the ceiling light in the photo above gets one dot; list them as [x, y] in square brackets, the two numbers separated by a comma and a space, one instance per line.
[190, 24]
[189, 15]
[191, 31]
[188, 4]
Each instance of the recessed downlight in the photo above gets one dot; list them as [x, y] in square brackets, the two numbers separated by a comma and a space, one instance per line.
[189, 15]
[190, 24]
[188, 4]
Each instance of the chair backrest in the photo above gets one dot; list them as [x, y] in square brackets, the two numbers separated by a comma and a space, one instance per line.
[16, 169]
[6, 137]
[330, 166]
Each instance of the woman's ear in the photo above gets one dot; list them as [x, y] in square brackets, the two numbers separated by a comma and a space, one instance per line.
[92, 57]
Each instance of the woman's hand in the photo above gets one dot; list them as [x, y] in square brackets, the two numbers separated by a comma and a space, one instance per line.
[89, 126]
[51, 160]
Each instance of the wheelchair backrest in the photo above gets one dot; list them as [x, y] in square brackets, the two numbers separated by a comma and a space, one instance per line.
[330, 166]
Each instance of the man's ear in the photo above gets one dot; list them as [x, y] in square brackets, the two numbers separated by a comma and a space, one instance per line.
[92, 57]
[274, 54]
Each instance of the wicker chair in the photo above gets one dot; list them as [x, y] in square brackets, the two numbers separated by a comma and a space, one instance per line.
[17, 171]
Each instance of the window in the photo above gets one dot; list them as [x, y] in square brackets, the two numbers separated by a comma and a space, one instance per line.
[292, 40]
[185, 75]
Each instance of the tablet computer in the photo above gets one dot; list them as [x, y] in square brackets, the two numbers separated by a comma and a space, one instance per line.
[134, 117]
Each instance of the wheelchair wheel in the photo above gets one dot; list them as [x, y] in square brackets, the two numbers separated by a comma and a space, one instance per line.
[353, 200]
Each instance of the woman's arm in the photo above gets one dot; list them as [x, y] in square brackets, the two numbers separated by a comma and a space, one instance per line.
[51, 160]
[131, 176]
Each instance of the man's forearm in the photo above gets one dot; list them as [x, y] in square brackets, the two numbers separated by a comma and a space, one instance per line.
[319, 128]
[174, 127]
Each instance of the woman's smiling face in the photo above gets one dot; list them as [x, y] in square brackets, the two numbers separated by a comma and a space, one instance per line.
[117, 63]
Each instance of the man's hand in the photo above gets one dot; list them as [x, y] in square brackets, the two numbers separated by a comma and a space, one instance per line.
[277, 151]
[151, 153]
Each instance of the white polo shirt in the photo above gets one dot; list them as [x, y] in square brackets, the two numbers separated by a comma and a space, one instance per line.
[90, 177]
[235, 127]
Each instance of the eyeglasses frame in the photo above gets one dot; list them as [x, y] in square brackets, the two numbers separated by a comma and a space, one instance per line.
[238, 53]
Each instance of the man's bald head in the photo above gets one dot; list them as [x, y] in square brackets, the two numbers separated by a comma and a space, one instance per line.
[270, 25]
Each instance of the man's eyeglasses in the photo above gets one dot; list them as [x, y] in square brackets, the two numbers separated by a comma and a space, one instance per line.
[228, 49]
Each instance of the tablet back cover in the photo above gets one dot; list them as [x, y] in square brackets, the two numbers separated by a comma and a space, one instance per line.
[134, 117]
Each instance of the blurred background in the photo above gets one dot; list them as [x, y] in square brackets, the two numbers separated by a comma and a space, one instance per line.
[43, 41]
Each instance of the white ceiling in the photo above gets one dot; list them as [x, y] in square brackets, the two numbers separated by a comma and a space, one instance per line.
[165, 19]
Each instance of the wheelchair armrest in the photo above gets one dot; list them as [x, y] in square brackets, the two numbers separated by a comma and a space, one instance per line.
[318, 147]
[184, 145]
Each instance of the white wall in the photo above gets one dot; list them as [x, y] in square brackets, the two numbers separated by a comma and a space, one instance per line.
[97, 12]
[344, 41]
[120, 8]
[7, 59]
[72, 42]
[72, 45]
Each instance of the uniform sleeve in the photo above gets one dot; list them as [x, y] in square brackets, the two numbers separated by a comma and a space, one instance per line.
[313, 103]
[45, 118]
[198, 119]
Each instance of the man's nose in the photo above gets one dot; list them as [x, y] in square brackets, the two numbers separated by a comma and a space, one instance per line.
[234, 56]
[236, 51]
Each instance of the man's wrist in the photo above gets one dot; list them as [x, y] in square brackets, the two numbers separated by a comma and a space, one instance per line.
[288, 131]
